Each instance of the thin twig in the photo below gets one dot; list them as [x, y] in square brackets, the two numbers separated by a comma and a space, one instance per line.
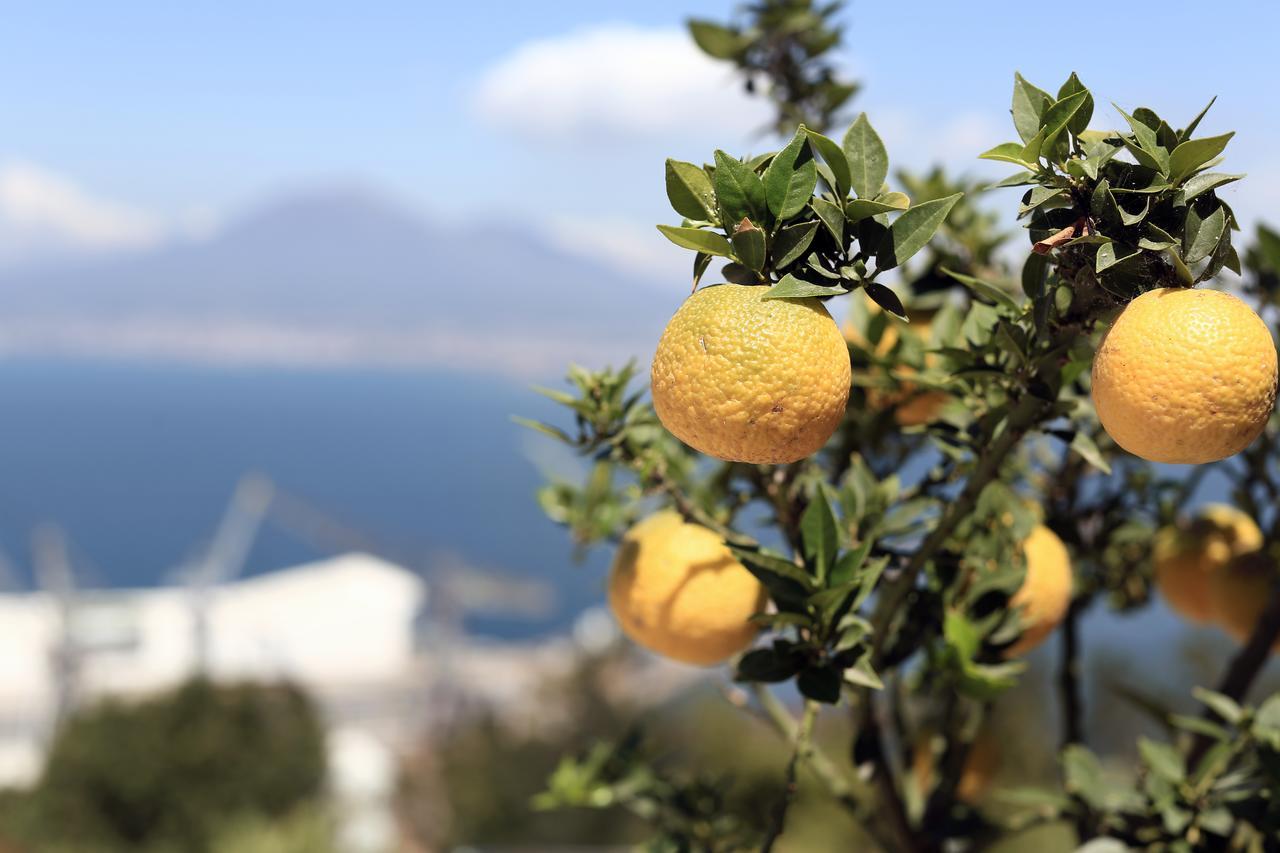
[1069, 674]
[799, 752]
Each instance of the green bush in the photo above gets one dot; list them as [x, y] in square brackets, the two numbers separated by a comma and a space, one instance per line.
[171, 772]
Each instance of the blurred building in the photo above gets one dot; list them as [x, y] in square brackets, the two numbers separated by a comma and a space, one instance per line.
[342, 628]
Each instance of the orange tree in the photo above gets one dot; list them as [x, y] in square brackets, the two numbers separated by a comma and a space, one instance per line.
[966, 501]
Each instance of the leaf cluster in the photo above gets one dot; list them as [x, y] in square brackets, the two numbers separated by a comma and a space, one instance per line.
[781, 49]
[813, 219]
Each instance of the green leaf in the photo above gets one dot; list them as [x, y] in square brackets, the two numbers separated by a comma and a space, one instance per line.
[1029, 104]
[850, 563]
[834, 157]
[912, 230]
[689, 191]
[739, 191]
[715, 40]
[1179, 265]
[832, 216]
[989, 291]
[1193, 154]
[1162, 759]
[1186, 132]
[1110, 254]
[770, 665]
[1148, 150]
[700, 263]
[792, 242]
[1200, 184]
[1084, 445]
[1058, 116]
[1080, 120]
[818, 535]
[885, 298]
[961, 634]
[1266, 722]
[1008, 152]
[1202, 234]
[861, 208]
[545, 429]
[791, 178]
[821, 684]
[748, 245]
[1082, 774]
[1034, 273]
[698, 239]
[862, 675]
[791, 287]
[895, 200]
[868, 160]
[1102, 204]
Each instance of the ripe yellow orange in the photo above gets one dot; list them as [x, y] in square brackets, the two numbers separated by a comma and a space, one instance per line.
[1186, 558]
[676, 589]
[1239, 593]
[1045, 593]
[1185, 376]
[748, 379]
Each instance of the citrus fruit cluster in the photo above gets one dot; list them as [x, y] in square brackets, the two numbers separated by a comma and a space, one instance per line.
[1214, 571]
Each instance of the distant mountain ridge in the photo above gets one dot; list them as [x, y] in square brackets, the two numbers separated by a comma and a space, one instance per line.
[340, 277]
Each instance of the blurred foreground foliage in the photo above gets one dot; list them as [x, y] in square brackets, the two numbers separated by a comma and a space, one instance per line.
[178, 772]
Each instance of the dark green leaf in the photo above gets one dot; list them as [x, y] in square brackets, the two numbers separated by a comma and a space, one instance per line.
[700, 263]
[862, 675]
[885, 298]
[1193, 154]
[1199, 184]
[698, 239]
[790, 180]
[820, 684]
[818, 535]
[791, 287]
[792, 242]
[768, 665]
[832, 216]
[1058, 116]
[689, 190]
[1179, 265]
[1080, 120]
[1203, 231]
[1029, 104]
[1186, 132]
[1110, 254]
[739, 191]
[868, 160]
[833, 154]
[748, 245]
[912, 230]
[1033, 275]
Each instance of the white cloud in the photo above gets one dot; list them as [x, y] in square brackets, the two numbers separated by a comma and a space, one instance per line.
[41, 211]
[633, 248]
[46, 215]
[614, 81]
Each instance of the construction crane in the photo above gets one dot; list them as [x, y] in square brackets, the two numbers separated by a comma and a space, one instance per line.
[225, 556]
[54, 574]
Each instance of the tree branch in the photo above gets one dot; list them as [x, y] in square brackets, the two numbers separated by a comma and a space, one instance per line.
[1023, 417]
[800, 751]
[1069, 674]
[1244, 667]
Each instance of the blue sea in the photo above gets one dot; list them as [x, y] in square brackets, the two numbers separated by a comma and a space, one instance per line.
[137, 464]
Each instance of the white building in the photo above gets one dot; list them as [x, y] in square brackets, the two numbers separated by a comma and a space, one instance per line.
[342, 628]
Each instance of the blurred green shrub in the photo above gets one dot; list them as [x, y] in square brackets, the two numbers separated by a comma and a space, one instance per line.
[171, 772]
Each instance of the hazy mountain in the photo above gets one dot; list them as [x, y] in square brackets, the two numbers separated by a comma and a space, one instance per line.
[341, 277]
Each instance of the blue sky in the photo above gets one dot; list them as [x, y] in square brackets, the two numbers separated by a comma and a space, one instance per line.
[179, 115]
